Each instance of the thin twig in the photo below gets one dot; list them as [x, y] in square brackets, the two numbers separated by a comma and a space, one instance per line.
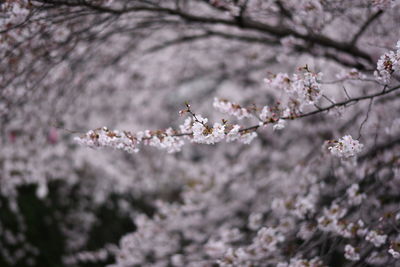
[365, 120]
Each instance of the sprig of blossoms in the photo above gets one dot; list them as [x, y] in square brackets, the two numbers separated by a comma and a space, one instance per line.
[387, 64]
[195, 128]
[273, 115]
[129, 142]
[345, 147]
[166, 140]
[102, 137]
[224, 106]
[302, 88]
[204, 134]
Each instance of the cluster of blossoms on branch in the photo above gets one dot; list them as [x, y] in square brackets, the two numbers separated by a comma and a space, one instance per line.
[345, 147]
[387, 64]
[301, 89]
[226, 107]
[195, 129]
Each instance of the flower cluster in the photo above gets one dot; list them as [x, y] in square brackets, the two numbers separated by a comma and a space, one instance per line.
[255, 220]
[352, 74]
[204, 134]
[302, 88]
[89, 256]
[232, 109]
[387, 64]
[17, 11]
[383, 4]
[263, 244]
[268, 238]
[394, 249]
[351, 253]
[345, 147]
[301, 206]
[354, 196]
[102, 137]
[331, 221]
[375, 238]
[274, 115]
[195, 129]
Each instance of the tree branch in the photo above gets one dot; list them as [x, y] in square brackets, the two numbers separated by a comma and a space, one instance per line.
[245, 23]
[365, 26]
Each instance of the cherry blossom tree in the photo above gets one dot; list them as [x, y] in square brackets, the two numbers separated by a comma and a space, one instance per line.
[234, 132]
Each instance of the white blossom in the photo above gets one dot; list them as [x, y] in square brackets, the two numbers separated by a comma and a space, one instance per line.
[394, 253]
[247, 137]
[350, 253]
[208, 135]
[279, 125]
[355, 197]
[387, 64]
[105, 138]
[232, 109]
[268, 239]
[231, 235]
[345, 147]
[303, 88]
[375, 238]
[255, 220]
[215, 248]
[265, 113]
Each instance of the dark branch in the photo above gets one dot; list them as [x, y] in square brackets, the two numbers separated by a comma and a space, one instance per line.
[365, 26]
